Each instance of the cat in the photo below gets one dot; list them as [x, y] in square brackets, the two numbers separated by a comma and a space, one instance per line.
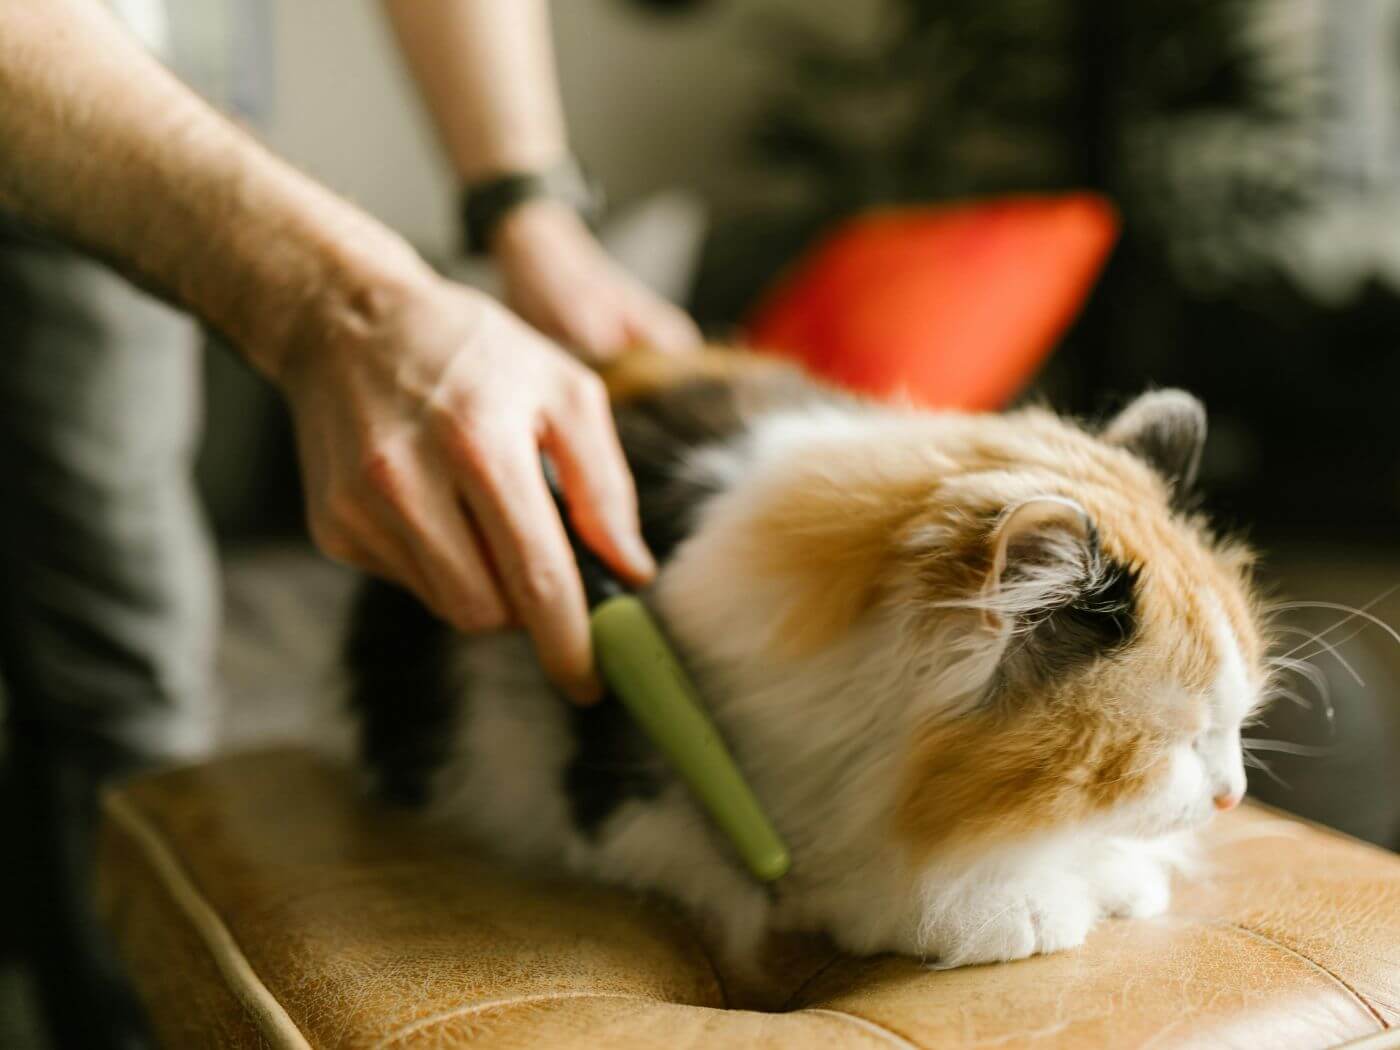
[983, 672]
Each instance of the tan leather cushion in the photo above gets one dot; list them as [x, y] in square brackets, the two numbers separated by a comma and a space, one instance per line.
[258, 903]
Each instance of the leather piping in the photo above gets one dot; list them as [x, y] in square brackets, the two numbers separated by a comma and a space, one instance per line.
[1360, 999]
[277, 1027]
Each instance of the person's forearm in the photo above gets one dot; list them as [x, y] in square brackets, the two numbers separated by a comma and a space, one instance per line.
[101, 145]
[486, 70]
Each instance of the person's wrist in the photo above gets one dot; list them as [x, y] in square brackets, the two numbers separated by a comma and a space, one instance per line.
[487, 203]
[360, 289]
[532, 225]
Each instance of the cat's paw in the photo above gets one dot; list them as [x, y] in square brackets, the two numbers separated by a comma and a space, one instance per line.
[1129, 883]
[1013, 923]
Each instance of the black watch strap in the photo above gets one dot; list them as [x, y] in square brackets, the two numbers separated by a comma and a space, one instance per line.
[485, 203]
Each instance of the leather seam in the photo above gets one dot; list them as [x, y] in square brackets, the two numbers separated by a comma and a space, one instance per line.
[486, 1005]
[714, 970]
[879, 1030]
[266, 1011]
[810, 980]
[1360, 999]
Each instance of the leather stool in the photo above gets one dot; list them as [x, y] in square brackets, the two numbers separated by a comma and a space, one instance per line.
[259, 903]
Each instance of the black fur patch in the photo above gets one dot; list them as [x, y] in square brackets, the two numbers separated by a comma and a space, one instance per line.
[658, 430]
[613, 761]
[1100, 620]
[1103, 618]
[397, 655]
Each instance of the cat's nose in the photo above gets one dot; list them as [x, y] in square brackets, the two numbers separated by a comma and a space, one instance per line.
[1227, 801]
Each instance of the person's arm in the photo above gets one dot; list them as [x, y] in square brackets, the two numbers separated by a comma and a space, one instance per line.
[486, 71]
[412, 398]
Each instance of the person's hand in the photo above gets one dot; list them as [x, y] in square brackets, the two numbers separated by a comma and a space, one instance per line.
[559, 279]
[420, 417]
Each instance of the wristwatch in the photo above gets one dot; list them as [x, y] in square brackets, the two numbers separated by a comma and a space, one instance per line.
[485, 203]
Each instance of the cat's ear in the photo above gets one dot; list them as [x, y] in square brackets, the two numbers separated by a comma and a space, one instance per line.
[1167, 428]
[1041, 551]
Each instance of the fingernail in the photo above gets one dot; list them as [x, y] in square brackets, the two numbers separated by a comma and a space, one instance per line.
[638, 557]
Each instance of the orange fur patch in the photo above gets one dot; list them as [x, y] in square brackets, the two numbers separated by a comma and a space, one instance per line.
[997, 775]
[832, 546]
[637, 373]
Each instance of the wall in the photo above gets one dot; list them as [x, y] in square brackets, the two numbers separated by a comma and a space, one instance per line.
[652, 100]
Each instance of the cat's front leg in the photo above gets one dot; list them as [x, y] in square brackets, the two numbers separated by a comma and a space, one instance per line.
[998, 921]
[983, 917]
[1128, 879]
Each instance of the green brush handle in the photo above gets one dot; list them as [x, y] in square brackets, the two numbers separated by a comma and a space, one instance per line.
[639, 666]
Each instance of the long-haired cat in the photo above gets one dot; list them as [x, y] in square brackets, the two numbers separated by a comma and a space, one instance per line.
[982, 673]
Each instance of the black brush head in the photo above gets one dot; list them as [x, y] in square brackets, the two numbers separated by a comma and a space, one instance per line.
[599, 582]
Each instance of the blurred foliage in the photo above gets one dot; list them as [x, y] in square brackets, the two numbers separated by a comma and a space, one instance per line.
[1177, 109]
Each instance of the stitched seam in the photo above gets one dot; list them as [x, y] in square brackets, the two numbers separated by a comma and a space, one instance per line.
[267, 1012]
[1361, 999]
[486, 1005]
[878, 1030]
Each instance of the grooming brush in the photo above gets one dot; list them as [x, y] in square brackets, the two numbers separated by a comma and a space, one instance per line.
[642, 670]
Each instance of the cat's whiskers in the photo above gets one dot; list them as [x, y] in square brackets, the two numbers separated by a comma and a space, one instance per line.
[1286, 747]
[1349, 636]
[1255, 762]
[1327, 647]
[1291, 695]
[1312, 674]
[1352, 612]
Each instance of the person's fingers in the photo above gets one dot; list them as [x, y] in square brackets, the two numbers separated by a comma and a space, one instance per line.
[361, 558]
[435, 535]
[593, 328]
[345, 532]
[378, 552]
[416, 525]
[506, 490]
[582, 440]
[656, 324]
[570, 312]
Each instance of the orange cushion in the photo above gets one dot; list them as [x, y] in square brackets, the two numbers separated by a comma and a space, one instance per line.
[953, 307]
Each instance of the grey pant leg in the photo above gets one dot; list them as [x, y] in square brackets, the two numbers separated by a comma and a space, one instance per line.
[107, 594]
[107, 616]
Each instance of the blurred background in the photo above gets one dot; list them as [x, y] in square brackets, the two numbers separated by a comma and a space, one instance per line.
[1251, 149]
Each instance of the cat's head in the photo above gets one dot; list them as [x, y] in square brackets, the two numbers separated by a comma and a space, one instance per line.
[1016, 607]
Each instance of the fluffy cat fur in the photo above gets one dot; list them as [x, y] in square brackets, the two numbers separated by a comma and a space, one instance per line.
[983, 674]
